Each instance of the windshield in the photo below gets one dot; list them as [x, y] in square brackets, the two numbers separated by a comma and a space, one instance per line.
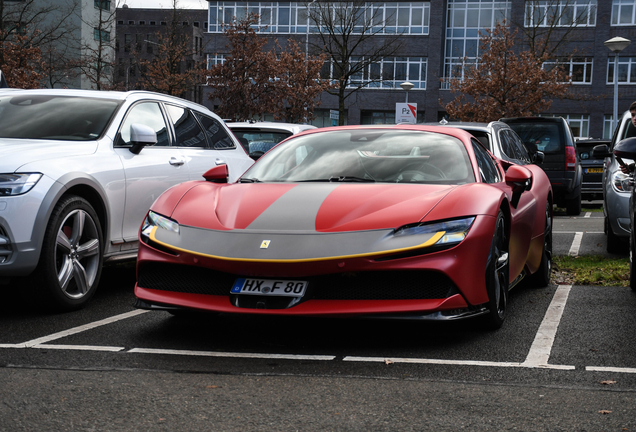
[544, 135]
[369, 155]
[259, 141]
[54, 117]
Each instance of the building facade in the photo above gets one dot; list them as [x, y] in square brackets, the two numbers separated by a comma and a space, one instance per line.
[438, 36]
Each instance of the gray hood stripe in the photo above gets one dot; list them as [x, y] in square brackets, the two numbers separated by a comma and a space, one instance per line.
[296, 210]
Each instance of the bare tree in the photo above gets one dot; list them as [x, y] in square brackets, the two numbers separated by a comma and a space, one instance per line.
[97, 59]
[45, 25]
[173, 68]
[353, 36]
[504, 83]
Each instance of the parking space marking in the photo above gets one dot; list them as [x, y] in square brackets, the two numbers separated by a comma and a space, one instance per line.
[576, 244]
[541, 348]
[80, 347]
[610, 369]
[231, 354]
[35, 342]
[588, 214]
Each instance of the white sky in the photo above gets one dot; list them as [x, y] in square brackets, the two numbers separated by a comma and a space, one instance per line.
[164, 4]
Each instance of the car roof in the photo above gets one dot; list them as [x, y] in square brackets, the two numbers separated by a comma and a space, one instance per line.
[107, 94]
[532, 119]
[294, 128]
[480, 126]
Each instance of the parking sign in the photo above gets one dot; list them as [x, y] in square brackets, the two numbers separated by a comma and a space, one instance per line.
[406, 113]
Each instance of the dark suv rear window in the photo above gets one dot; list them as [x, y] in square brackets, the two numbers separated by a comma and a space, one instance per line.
[545, 136]
[54, 117]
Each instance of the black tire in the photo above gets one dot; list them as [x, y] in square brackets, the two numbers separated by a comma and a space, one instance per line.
[632, 273]
[71, 259]
[614, 243]
[573, 206]
[541, 278]
[497, 275]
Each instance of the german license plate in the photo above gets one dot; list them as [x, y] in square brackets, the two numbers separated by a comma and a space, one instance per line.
[594, 170]
[269, 287]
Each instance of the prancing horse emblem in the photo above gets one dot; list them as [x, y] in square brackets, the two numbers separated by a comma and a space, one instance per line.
[265, 244]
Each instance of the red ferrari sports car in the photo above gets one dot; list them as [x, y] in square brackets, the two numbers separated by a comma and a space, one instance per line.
[392, 220]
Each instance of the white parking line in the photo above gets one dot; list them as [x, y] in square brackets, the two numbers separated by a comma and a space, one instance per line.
[231, 354]
[610, 369]
[33, 343]
[576, 244]
[588, 214]
[541, 348]
[537, 358]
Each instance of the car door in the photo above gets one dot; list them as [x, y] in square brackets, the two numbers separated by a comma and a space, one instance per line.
[149, 173]
[205, 143]
[522, 216]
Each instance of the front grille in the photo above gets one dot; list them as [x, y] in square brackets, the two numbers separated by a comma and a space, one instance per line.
[381, 285]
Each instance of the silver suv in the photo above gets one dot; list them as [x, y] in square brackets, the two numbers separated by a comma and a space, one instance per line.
[617, 188]
[78, 172]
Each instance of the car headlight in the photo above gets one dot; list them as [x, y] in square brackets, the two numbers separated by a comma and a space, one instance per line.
[17, 184]
[454, 230]
[621, 182]
[156, 220]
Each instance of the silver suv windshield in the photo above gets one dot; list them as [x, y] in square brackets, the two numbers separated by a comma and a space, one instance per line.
[54, 117]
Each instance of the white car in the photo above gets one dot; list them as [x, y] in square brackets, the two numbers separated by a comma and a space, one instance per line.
[258, 137]
[78, 172]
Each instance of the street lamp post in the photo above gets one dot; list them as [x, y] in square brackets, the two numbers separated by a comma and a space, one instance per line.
[406, 86]
[616, 45]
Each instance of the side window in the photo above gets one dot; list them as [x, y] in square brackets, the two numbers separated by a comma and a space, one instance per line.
[186, 128]
[216, 134]
[520, 149]
[506, 145]
[487, 168]
[149, 114]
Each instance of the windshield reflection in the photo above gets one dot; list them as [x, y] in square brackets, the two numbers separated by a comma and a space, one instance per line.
[367, 155]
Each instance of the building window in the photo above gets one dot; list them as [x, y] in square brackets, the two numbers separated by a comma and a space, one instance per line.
[102, 4]
[127, 42]
[101, 35]
[561, 13]
[578, 68]
[626, 70]
[322, 117]
[291, 17]
[465, 21]
[153, 22]
[120, 22]
[383, 117]
[608, 126]
[142, 22]
[131, 23]
[196, 23]
[623, 12]
[388, 73]
[579, 123]
[185, 23]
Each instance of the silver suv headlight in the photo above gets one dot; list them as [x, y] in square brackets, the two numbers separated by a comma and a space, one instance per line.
[621, 182]
[17, 184]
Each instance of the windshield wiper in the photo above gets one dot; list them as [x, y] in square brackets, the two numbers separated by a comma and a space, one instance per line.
[350, 179]
[249, 180]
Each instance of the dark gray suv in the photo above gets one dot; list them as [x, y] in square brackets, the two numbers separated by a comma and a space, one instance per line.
[553, 137]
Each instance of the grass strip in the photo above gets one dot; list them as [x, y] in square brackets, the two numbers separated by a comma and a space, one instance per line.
[590, 270]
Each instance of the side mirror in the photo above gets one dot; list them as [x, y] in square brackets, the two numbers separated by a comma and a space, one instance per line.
[625, 148]
[141, 135]
[601, 151]
[519, 179]
[256, 154]
[538, 157]
[218, 174]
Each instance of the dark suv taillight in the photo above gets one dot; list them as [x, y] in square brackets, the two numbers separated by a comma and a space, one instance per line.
[570, 158]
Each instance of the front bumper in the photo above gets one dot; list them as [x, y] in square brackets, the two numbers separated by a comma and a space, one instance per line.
[425, 282]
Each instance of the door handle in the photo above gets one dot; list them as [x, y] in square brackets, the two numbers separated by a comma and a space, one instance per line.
[177, 161]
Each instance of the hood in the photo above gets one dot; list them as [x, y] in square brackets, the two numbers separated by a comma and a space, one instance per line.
[309, 207]
[18, 152]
